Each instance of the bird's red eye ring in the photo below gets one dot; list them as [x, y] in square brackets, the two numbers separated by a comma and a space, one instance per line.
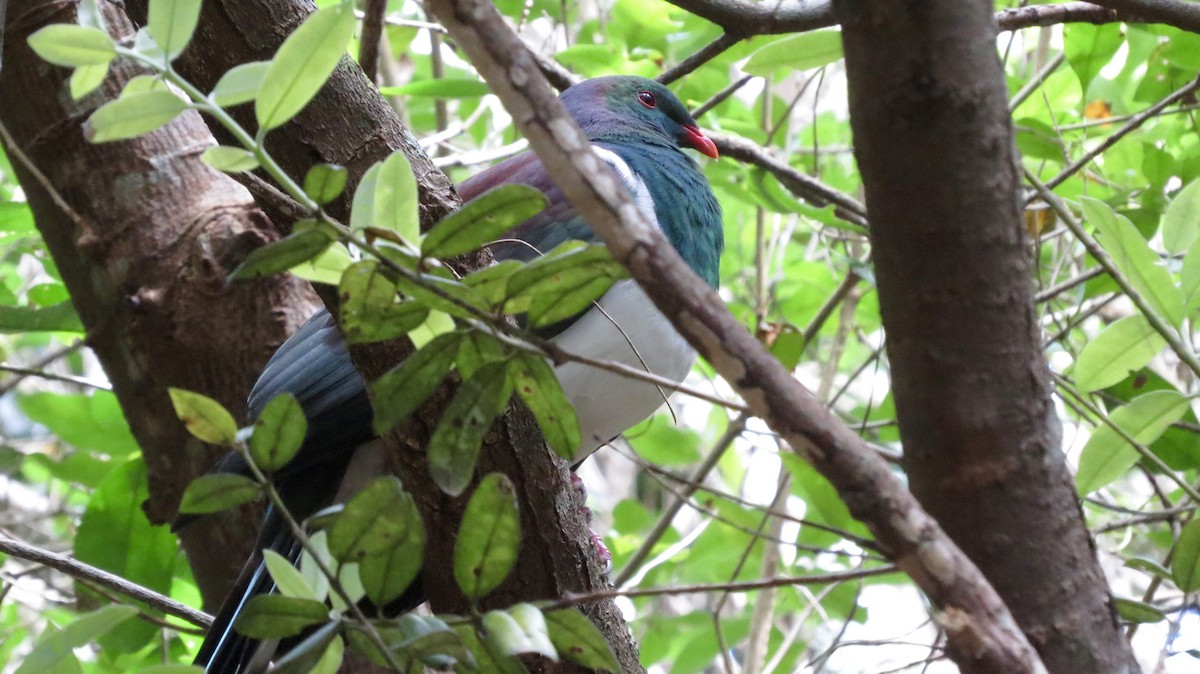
[647, 99]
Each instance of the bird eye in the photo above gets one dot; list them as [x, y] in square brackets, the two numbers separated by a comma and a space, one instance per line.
[647, 99]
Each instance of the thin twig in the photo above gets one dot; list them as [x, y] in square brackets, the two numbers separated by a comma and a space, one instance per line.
[77, 569]
[746, 586]
[705, 54]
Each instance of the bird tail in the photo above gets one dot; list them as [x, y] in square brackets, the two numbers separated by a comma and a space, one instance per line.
[226, 651]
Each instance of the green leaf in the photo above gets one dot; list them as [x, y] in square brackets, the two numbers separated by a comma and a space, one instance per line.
[302, 245]
[287, 577]
[1149, 566]
[213, 493]
[803, 51]
[578, 640]
[133, 115]
[278, 432]
[395, 201]
[69, 45]
[230, 159]
[204, 417]
[86, 79]
[115, 535]
[504, 635]
[327, 267]
[362, 209]
[565, 281]
[239, 84]
[1189, 277]
[1107, 456]
[325, 182]
[488, 539]
[478, 348]
[370, 311]
[1138, 612]
[491, 282]
[53, 646]
[373, 522]
[387, 575]
[448, 88]
[303, 63]
[1133, 257]
[171, 24]
[483, 220]
[533, 624]
[1089, 48]
[535, 382]
[401, 390]
[276, 617]
[1181, 221]
[1185, 567]
[58, 318]
[454, 446]
[1123, 347]
[318, 653]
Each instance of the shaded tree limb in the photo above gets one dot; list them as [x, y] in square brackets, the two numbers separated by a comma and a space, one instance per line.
[1185, 15]
[982, 444]
[80, 571]
[982, 634]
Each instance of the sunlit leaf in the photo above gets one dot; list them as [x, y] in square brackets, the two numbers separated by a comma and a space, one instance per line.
[204, 417]
[401, 390]
[373, 522]
[133, 115]
[213, 493]
[171, 24]
[278, 432]
[69, 45]
[1107, 456]
[1133, 257]
[802, 51]
[1185, 567]
[483, 219]
[1123, 347]
[578, 640]
[302, 245]
[240, 84]
[536, 384]
[454, 446]
[486, 547]
[304, 61]
[230, 159]
[278, 617]
[1181, 221]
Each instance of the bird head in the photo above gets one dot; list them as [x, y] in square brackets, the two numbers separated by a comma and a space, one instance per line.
[625, 105]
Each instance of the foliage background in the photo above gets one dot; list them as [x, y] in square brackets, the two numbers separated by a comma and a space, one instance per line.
[72, 479]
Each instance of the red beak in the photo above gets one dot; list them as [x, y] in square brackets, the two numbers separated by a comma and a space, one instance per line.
[693, 138]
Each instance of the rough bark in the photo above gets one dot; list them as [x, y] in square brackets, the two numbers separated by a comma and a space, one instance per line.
[349, 123]
[934, 143]
[981, 633]
[146, 266]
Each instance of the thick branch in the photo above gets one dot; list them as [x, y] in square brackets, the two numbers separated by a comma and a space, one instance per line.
[982, 445]
[982, 634]
[1185, 15]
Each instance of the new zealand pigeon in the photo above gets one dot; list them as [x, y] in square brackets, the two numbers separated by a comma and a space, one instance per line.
[640, 128]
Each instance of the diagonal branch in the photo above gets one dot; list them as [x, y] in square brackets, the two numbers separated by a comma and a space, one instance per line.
[980, 628]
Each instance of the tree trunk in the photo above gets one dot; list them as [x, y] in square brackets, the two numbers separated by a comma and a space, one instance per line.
[145, 262]
[347, 123]
[934, 143]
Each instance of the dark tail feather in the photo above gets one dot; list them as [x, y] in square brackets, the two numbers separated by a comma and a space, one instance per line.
[225, 651]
